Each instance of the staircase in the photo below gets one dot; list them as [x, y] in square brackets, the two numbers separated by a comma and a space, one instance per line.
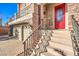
[60, 44]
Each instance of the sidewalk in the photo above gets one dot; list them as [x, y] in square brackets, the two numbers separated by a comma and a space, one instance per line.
[10, 47]
[3, 37]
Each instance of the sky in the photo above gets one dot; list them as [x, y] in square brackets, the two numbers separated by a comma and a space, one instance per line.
[7, 10]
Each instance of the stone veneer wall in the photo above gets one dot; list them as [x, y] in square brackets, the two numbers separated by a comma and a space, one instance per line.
[35, 22]
[26, 29]
[72, 9]
[17, 31]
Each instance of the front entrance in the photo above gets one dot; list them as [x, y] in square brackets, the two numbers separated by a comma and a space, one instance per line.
[60, 16]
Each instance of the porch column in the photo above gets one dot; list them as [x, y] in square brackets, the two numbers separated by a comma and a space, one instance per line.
[35, 24]
[66, 18]
[42, 15]
[42, 11]
[22, 32]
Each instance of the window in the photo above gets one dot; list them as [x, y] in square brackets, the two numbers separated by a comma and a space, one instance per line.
[59, 15]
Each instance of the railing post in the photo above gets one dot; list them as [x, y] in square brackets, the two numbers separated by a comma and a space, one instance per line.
[24, 48]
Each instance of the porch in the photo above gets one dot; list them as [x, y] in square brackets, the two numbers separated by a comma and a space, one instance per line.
[54, 16]
[43, 21]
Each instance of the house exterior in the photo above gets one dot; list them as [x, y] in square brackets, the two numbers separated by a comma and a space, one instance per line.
[45, 16]
[4, 30]
[0, 22]
[50, 15]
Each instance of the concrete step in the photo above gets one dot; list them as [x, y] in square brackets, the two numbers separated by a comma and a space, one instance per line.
[61, 33]
[61, 36]
[67, 50]
[60, 44]
[61, 41]
[53, 51]
[21, 54]
[61, 30]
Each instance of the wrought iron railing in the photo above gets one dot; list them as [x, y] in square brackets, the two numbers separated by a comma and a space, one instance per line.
[33, 39]
[75, 35]
[27, 10]
[31, 42]
[46, 24]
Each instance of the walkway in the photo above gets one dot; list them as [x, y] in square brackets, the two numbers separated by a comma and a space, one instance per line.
[10, 47]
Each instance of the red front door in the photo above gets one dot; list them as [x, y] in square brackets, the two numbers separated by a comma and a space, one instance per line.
[60, 16]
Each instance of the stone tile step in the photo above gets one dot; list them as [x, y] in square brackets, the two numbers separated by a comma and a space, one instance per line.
[53, 51]
[68, 50]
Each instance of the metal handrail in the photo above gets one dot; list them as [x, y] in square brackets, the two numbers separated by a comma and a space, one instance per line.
[30, 42]
[33, 32]
[27, 41]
